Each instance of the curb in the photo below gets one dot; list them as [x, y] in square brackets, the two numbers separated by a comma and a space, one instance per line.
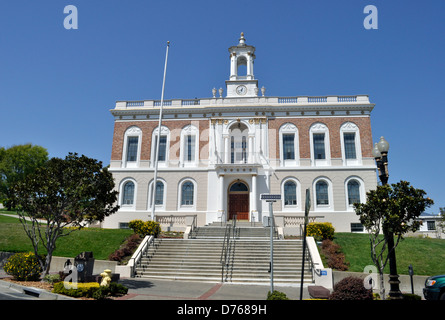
[39, 293]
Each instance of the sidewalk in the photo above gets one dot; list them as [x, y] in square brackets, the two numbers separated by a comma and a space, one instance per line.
[154, 289]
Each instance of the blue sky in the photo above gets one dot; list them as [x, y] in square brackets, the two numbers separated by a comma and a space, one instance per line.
[57, 85]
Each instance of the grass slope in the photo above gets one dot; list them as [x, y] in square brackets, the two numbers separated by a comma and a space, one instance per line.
[426, 255]
[101, 242]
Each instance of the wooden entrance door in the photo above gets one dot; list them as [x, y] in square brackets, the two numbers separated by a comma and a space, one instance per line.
[239, 205]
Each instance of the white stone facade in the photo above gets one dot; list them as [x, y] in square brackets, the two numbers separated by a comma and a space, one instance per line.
[218, 154]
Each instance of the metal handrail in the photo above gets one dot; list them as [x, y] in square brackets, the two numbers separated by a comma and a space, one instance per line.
[193, 226]
[224, 250]
[312, 269]
[140, 251]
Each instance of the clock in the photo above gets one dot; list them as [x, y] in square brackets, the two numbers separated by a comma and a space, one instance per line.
[241, 90]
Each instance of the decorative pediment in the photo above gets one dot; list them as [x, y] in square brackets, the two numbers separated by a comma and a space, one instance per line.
[319, 127]
[350, 126]
[288, 127]
[134, 130]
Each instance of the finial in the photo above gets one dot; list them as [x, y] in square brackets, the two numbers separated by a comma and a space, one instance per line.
[242, 40]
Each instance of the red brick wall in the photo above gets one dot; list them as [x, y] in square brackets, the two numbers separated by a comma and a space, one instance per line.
[147, 127]
[333, 124]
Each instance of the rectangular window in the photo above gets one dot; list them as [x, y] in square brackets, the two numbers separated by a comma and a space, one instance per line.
[190, 148]
[431, 225]
[319, 150]
[124, 225]
[162, 148]
[288, 147]
[356, 227]
[349, 142]
[132, 149]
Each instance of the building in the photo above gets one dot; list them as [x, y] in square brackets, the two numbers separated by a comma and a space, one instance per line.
[432, 225]
[217, 155]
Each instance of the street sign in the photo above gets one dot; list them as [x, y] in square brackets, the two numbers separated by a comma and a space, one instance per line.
[270, 197]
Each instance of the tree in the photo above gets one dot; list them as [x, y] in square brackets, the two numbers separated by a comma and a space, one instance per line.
[70, 192]
[441, 222]
[16, 163]
[391, 209]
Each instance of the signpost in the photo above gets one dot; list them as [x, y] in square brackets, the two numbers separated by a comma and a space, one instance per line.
[271, 198]
[306, 218]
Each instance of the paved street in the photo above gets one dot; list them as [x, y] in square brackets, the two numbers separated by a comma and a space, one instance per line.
[11, 294]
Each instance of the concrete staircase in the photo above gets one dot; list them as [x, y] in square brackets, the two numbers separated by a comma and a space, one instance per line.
[244, 230]
[248, 258]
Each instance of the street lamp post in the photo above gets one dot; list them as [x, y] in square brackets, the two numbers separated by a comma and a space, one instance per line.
[380, 153]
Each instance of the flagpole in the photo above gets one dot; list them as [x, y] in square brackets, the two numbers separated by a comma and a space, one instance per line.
[155, 178]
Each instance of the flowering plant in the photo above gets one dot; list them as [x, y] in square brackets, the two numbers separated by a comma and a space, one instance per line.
[23, 266]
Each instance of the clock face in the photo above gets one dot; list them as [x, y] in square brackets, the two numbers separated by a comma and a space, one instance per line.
[241, 90]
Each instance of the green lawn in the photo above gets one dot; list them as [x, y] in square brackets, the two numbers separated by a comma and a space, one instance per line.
[101, 242]
[427, 256]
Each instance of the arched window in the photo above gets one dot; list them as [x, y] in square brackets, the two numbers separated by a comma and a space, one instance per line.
[289, 150]
[239, 186]
[128, 193]
[187, 194]
[164, 146]
[350, 144]
[189, 146]
[290, 193]
[159, 197]
[132, 147]
[319, 141]
[353, 192]
[238, 142]
[321, 192]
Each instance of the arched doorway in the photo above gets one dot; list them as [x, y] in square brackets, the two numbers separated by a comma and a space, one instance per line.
[238, 200]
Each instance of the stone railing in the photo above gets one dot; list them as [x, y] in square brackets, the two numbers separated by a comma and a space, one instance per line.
[302, 100]
[292, 224]
[296, 221]
[176, 222]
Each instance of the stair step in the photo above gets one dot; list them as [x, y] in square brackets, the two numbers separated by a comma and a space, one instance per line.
[249, 259]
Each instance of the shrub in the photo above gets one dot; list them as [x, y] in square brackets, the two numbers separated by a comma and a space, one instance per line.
[76, 290]
[351, 288]
[90, 290]
[127, 249]
[411, 297]
[335, 259]
[112, 290]
[144, 228]
[320, 230]
[23, 266]
[276, 295]
[52, 278]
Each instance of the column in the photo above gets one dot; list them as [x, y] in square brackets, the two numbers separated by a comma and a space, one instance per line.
[233, 66]
[249, 66]
[221, 197]
[226, 149]
[253, 204]
[251, 149]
